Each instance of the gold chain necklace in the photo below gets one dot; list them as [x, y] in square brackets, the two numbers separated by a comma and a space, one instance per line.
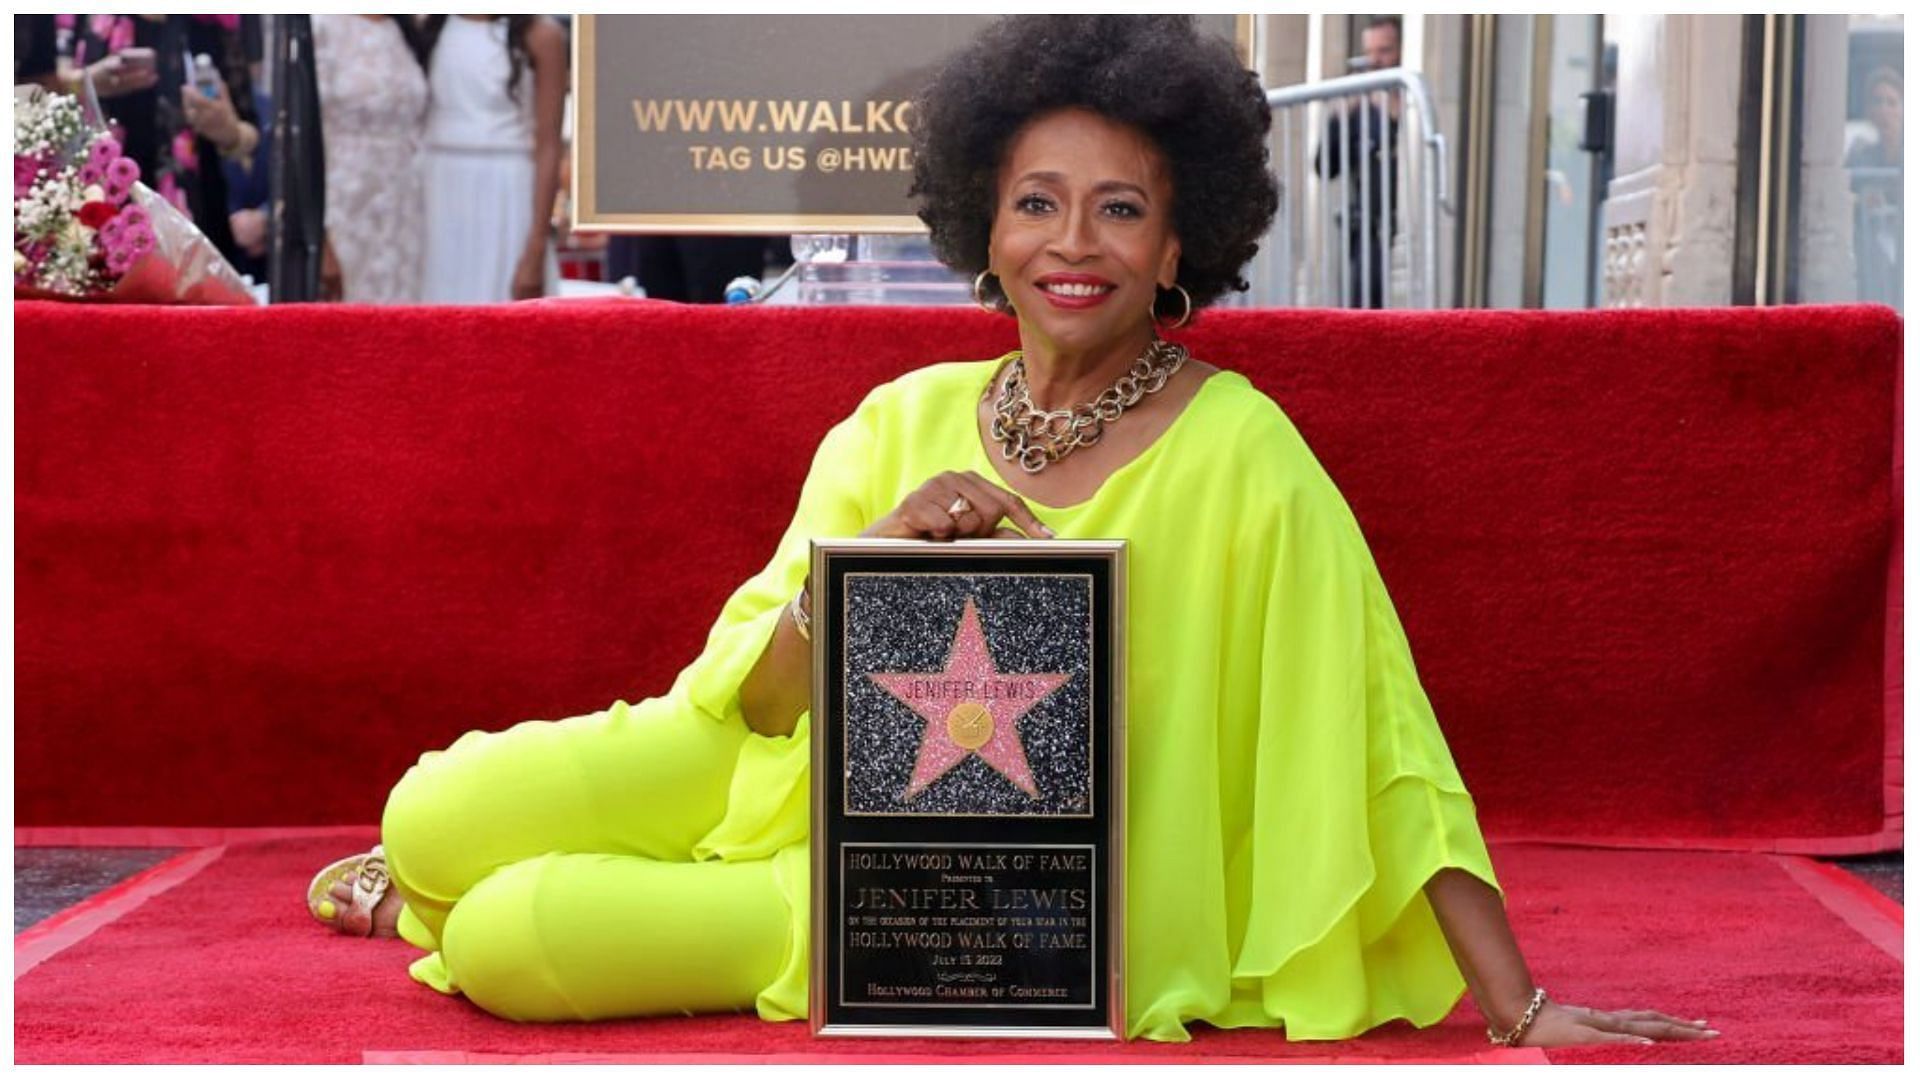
[1037, 438]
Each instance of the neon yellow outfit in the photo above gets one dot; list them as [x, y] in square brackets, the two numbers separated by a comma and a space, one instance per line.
[1289, 792]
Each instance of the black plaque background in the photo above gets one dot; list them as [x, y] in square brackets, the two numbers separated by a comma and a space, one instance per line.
[837, 829]
[1037, 967]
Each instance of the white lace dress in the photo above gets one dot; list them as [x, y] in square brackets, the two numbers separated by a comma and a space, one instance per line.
[373, 110]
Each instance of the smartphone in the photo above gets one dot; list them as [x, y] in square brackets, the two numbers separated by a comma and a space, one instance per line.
[137, 57]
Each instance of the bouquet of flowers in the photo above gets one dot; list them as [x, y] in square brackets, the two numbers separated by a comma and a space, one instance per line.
[84, 226]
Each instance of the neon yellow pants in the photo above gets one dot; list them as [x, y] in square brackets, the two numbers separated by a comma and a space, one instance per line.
[548, 870]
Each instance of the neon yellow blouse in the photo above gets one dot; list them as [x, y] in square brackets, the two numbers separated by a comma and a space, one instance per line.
[1289, 792]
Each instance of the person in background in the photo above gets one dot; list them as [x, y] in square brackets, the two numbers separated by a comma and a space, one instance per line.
[142, 68]
[1371, 137]
[1878, 245]
[35, 58]
[248, 197]
[249, 182]
[1886, 98]
[497, 92]
[373, 112]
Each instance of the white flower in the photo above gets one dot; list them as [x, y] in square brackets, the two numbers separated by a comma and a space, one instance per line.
[51, 126]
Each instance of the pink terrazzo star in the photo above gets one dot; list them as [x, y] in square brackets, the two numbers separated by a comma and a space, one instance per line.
[970, 708]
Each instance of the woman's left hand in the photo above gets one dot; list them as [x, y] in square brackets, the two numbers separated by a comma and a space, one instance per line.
[530, 275]
[1560, 1025]
[213, 117]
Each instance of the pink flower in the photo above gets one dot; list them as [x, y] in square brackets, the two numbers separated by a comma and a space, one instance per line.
[183, 151]
[25, 171]
[90, 176]
[37, 253]
[136, 218]
[120, 260]
[103, 152]
[114, 233]
[139, 240]
[119, 179]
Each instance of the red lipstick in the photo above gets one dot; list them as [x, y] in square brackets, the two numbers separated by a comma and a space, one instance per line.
[1085, 290]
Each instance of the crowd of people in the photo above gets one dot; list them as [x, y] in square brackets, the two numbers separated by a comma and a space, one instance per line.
[443, 141]
[442, 138]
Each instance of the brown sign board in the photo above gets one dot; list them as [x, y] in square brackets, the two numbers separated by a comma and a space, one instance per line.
[759, 123]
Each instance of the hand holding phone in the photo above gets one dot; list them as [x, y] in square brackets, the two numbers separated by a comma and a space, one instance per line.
[125, 72]
[138, 58]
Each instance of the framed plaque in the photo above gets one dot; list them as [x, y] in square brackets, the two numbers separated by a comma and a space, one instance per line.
[968, 800]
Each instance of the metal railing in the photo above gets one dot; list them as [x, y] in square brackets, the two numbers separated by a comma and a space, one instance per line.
[1361, 193]
[1879, 254]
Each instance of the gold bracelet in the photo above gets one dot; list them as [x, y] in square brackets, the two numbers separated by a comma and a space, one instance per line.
[1513, 1036]
[802, 622]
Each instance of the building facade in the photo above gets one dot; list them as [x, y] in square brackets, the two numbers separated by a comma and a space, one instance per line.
[1605, 161]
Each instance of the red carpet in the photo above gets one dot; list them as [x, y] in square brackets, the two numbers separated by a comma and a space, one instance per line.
[225, 966]
[1642, 556]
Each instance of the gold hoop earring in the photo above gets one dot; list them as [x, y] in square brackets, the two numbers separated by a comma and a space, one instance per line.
[979, 296]
[1186, 312]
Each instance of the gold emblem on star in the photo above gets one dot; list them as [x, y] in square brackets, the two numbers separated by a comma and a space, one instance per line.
[970, 725]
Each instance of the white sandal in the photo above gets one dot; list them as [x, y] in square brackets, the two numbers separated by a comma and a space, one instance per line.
[367, 872]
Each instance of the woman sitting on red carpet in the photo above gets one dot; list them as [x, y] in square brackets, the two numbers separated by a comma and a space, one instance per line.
[1301, 850]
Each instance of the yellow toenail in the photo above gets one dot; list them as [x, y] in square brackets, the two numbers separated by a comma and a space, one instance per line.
[327, 910]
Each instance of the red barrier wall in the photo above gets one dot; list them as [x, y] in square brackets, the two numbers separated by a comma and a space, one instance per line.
[265, 558]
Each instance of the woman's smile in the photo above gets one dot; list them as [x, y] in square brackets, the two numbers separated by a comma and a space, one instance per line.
[1074, 290]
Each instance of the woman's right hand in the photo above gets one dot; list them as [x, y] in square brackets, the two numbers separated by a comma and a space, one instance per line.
[958, 506]
[333, 285]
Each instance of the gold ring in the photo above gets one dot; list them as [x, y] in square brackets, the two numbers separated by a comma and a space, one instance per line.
[958, 507]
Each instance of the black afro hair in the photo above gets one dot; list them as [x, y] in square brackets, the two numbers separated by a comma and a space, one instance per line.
[1187, 92]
